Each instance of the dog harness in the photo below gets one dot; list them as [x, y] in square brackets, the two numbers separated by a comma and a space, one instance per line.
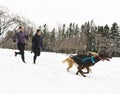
[89, 58]
[86, 58]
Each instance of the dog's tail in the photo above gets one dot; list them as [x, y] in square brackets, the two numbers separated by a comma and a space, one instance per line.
[64, 60]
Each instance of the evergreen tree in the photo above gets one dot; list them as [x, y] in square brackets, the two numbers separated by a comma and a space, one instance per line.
[52, 39]
[86, 30]
[114, 31]
[100, 30]
[115, 39]
[105, 31]
[63, 31]
[46, 41]
[77, 30]
[70, 29]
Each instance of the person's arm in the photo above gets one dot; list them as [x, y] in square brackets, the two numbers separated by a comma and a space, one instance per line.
[33, 45]
[42, 36]
[26, 37]
[41, 44]
[33, 41]
[15, 37]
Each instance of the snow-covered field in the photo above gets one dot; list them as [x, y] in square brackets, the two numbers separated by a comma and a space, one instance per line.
[49, 75]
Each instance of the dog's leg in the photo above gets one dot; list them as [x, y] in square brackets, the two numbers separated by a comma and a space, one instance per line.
[81, 72]
[69, 66]
[79, 69]
[87, 70]
[68, 69]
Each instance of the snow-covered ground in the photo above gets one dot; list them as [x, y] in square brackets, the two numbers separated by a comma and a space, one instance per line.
[49, 75]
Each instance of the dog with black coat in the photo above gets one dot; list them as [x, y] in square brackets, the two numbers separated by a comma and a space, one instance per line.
[85, 61]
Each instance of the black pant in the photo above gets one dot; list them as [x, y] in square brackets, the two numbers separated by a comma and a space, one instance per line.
[36, 51]
[21, 48]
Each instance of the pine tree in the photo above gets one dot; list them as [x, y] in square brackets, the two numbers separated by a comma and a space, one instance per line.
[46, 36]
[52, 40]
[115, 38]
[106, 31]
[63, 31]
[114, 31]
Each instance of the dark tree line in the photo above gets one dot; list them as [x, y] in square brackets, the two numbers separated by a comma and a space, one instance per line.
[72, 38]
[87, 37]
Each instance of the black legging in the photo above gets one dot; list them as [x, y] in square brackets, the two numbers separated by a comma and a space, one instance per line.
[36, 51]
[21, 48]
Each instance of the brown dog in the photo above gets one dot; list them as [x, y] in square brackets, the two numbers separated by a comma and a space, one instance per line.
[71, 62]
[82, 61]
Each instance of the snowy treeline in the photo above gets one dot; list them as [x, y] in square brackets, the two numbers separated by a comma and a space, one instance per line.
[72, 38]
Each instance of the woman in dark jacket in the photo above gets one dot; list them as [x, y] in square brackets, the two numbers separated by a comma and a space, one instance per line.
[37, 44]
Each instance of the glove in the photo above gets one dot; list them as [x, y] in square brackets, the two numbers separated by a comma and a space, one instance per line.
[14, 40]
[26, 36]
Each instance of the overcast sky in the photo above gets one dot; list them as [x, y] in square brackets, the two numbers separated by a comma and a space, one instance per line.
[54, 12]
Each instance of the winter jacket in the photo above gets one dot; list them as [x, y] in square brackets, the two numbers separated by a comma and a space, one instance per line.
[21, 37]
[37, 41]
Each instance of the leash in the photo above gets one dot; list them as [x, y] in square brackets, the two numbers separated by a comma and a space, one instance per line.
[100, 58]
